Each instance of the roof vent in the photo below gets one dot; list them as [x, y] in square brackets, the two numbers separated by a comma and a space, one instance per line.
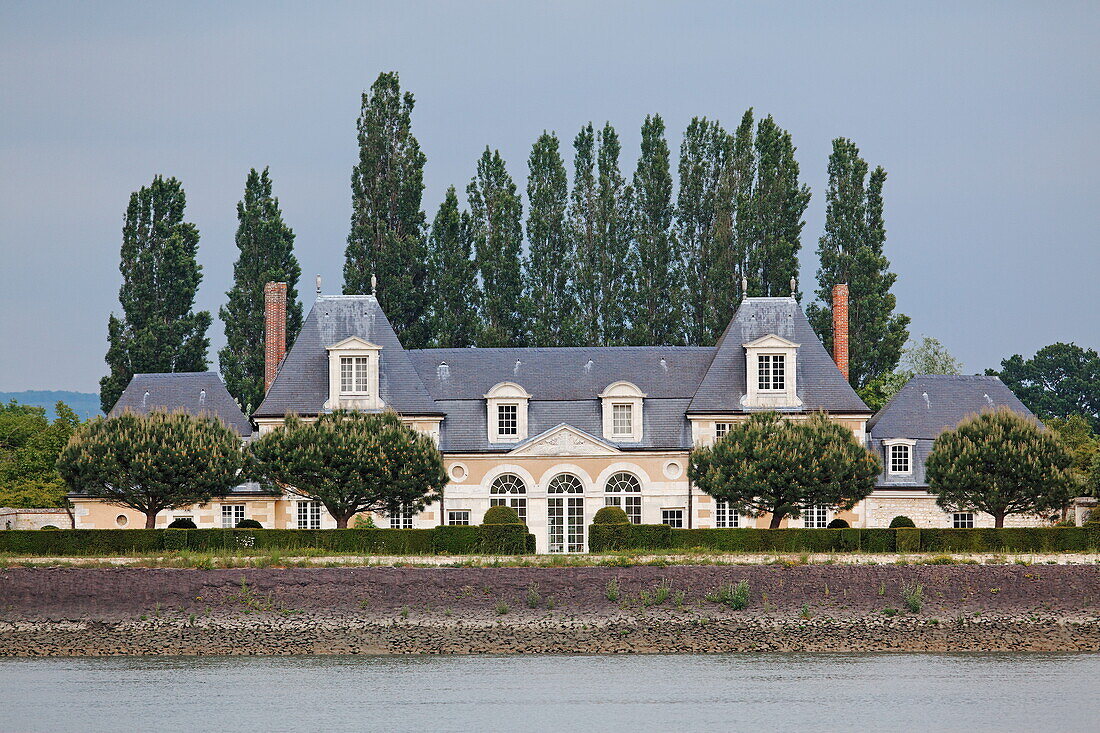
[515, 369]
[202, 396]
[664, 365]
[989, 400]
[927, 401]
[588, 366]
[145, 400]
[443, 370]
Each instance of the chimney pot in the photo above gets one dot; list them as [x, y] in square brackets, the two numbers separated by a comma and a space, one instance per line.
[840, 327]
[274, 330]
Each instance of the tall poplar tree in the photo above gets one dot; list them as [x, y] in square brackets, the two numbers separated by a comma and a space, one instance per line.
[851, 251]
[452, 317]
[158, 330]
[266, 246]
[707, 257]
[657, 296]
[497, 235]
[614, 203]
[584, 233]
[387, 222]
[549, 265]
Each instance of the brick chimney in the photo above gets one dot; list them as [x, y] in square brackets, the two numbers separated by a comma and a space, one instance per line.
[840, 327]
[274, 330]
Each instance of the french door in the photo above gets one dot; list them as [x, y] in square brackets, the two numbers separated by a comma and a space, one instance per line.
[565, 514]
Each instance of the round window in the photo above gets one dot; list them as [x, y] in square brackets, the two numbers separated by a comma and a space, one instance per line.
[673, 469]
[458, 472]
[121, 520]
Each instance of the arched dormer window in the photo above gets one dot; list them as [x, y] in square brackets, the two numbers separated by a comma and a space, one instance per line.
[506, 413]
[622, 412]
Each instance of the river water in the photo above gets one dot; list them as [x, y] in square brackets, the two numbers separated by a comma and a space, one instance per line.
[758, 692]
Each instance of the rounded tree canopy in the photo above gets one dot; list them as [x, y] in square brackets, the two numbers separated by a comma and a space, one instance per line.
[249, 524]
[610, 515]
[838, 524]
[501, 514]
[1001, 463]
[182, 523]
[901, 521]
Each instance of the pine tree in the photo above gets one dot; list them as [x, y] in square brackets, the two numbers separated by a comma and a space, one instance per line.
[266, 247]
[657, 296]
[613, 226]
[584, 234]
[851, 251]
[707, 256]
[158, 330]
[452, 320]
[497, 235]
[387, 223]
[549, 266]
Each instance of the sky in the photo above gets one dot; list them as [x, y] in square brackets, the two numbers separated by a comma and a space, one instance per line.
[984, 115]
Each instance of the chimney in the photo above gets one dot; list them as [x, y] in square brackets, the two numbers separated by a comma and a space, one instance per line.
[840, 327]
[274, 330]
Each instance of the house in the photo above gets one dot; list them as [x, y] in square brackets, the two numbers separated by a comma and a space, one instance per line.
[902, 433]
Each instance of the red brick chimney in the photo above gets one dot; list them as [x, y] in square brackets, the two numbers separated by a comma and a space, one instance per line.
[840, 327]
[274, 330]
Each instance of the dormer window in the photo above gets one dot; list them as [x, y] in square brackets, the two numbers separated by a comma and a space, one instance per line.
[772, 371]
[622, 412]
[506, 413]
[899, 456]
[353, 375]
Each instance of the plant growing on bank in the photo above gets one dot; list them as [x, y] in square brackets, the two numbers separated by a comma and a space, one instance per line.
[1000, 463]
[772, 465]
[152, 462]
[913, 595]
[734, 596]
[351, 462]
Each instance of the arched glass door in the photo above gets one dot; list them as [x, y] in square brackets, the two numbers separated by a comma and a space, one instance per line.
[565, 513]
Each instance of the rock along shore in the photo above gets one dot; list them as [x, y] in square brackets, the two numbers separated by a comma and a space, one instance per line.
[377, 610]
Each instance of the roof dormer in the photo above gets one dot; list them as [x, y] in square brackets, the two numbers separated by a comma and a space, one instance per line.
[353, 375]
[771, 369]
[622, 412]
[506, 413]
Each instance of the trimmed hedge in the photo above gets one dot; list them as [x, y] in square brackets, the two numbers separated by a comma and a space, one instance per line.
[604, 537]
[464, 540]
[785, 540]
[1017, 539]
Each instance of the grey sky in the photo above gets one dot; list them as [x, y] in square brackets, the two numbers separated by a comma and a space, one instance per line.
[984, 115]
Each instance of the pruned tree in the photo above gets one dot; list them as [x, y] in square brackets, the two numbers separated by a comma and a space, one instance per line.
[1000, 463]
[152, 462]
[769, 464]
[351, 462]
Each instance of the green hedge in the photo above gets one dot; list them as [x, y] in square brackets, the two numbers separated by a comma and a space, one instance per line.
[1016, 539]
[604, 537]
[786, 540]
[438, 540]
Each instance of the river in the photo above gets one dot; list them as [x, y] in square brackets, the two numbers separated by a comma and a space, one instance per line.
[803, 692]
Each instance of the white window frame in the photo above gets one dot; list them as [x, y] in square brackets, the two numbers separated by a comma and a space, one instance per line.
[308, 514]
[888, 449]
[624, 490]
[725, 517]
[615, 397]
[458, 517]
[234, 513]
[815, 517]
[508, 489]
[962, 520]
[622, 419]
[369, 398]
[673, 517]
[402, 518]
[506, 394]
[507, 419]
[771, 372]
[769, 395]
[355, 375]
[722, 429]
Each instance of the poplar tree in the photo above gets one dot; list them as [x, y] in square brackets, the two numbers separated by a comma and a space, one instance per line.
[387, 222]
[266, 246]
[158, 330]
[851, 251]
[657, 296]
[452, 317]
[549, 266]
[584, 233]
[497, 235]
[707, 261]
[613, 236]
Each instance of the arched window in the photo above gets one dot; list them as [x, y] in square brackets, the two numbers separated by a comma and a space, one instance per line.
[565, 514]
[508, 489]
[624, 491]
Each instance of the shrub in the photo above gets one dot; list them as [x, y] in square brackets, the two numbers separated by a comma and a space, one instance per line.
[607, 537]
[503, 539]
[182, 523]
[501, 515]
[913, 595]
[901, 521]
[456, 540]
[908, 539]
[610, 515]
[734, 596]
[249, 524]
[838, 524]
[49, 526]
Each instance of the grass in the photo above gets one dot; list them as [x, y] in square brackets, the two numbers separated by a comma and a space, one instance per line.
[658, 595]
[913, 596]
[736, 596]
[612, 590]
[502, 607]
[534, 600]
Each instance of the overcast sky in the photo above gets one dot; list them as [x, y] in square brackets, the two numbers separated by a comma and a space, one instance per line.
[985, 116]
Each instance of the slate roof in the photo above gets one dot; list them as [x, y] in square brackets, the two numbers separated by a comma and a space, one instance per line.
[928, 404]
[193, 392]
[301, 386]
[819, 384]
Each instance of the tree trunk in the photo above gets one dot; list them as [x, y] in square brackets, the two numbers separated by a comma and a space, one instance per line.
[342, 522]
[998, 520]
[150, 520]
[776, 519]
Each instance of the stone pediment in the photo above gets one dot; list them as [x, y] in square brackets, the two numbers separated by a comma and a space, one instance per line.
[771, 341]
[354, 342]
[564, 440]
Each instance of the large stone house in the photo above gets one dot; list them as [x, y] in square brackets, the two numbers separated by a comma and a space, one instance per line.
[556, 433]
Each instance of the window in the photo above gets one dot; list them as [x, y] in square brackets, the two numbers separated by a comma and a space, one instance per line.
[231, 515]
[565, 514]
[402, 518]
[353, 374]
[900, 458]
[624, 491]
[816, 517]
[507, 419]
[309, 515]
[622, 420]
[773, 372]
[508, 489]
[721, 429]
[962, 520]
[673, 518]
[725, 517]
[458, 517]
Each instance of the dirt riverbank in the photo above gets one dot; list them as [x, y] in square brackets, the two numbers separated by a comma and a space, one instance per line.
[100, 611]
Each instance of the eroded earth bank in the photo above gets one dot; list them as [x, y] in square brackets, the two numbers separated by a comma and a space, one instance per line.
[374, 610]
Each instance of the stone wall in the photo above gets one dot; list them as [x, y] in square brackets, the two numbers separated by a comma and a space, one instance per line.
[33, 518]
